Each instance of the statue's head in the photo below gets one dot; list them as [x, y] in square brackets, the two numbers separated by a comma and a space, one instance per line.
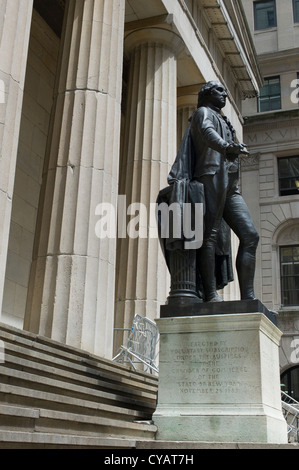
[214, 93]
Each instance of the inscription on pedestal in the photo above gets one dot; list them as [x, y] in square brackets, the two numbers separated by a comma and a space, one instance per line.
[203, 371]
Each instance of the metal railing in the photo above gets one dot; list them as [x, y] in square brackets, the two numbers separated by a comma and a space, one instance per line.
[290, 408]
[141, 345]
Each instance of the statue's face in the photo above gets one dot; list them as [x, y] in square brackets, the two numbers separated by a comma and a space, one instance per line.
[218, 96]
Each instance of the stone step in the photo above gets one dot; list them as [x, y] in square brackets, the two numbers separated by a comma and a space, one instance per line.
[38, 381]
[22, 396]
[38, 440]
[57, 361]
[193, 449]
[76, 375]
[49, 390]
[15, 418]
[48, 351]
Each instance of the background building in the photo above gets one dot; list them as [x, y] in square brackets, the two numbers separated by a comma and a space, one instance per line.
[272, 132]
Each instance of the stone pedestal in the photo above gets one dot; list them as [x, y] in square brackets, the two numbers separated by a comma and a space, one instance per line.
[219, 379]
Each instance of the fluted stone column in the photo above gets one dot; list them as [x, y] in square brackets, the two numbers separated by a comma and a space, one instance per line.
[72, 288]
[149, 150]
[15, 22]
[186, 106]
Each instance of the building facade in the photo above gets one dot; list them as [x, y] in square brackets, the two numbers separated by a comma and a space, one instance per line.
[96, 95]
[272, 132]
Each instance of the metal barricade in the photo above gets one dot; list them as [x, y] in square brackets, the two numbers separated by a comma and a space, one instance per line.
[141, 346]
[290, 408]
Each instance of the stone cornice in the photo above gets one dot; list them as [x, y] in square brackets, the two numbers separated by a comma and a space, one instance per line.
[237, 45]
[279, 55]
[272, 119]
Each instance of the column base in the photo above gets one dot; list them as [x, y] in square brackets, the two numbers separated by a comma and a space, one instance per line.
[219, 379]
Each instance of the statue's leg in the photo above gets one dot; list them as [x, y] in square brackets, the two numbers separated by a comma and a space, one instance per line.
[206, 260]
[215, 194]
[237, 216]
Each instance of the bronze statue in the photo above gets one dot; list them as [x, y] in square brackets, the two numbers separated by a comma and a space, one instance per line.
[207, 167]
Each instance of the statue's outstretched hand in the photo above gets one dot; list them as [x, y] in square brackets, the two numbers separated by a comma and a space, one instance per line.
[236, 149]
[243, 149]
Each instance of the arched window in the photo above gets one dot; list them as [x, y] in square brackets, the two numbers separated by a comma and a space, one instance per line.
[286, 263]
[289, 274]
[290, 382]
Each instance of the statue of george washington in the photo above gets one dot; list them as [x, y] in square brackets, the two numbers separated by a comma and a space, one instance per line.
[206, 170]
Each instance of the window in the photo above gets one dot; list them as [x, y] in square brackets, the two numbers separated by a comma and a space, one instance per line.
[265, 15]
[270, 95]
[288, 172]
[290, 382]
[289, 271]
[296, 10]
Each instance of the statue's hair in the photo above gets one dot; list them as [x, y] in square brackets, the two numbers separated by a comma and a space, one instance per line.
[205, 91]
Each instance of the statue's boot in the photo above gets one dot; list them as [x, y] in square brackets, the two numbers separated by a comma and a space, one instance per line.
[246, 269]
[207, 272]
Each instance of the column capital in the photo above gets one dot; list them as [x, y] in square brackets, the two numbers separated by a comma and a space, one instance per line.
[187, 101]
[157, 36]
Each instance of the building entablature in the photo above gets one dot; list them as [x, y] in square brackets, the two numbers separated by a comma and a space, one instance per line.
[282, 62]
[214, 33]
[273, 131]
[218, 43]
